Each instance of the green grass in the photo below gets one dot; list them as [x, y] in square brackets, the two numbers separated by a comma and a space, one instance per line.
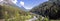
[54, 20]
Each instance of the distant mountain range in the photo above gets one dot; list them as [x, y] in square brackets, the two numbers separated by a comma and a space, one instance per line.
[9, 3]
[22, 8]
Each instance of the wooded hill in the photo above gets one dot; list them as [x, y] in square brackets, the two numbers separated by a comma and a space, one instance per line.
[50, 8]
[11, 13]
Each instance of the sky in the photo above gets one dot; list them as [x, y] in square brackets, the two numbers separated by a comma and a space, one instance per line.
[27, 4]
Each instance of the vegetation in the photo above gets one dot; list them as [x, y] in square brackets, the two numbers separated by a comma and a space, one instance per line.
[50, 8]
[11, 13]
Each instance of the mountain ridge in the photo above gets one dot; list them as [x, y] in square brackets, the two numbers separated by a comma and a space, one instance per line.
[10, 3]
[50, 8]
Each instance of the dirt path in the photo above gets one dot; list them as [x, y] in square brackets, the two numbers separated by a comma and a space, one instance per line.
[32, 19]
[2, 19]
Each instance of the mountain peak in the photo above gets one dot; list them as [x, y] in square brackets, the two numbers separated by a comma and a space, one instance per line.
[8, 1]
[23, 8]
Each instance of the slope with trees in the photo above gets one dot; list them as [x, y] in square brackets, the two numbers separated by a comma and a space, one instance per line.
[50, 8]
[11, 13]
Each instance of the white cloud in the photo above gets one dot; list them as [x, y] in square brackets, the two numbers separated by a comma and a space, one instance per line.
[1, 0]
[14, 1]
[21, 3]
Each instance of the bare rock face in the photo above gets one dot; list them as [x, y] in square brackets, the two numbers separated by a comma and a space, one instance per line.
[7, 2]
[50, 8]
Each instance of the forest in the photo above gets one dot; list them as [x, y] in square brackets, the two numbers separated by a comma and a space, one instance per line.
[50, 9]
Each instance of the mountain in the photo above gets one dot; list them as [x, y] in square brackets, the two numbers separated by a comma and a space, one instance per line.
[23, 8]
[28, 9]
[7, 12]
[50, 8]
[13, 12]
[10, 3]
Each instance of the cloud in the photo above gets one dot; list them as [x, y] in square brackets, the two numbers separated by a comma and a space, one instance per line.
[21, 3]
[14, 1]
[1, 0]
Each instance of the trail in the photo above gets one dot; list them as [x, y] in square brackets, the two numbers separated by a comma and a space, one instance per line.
[2, 19]
[35, 18]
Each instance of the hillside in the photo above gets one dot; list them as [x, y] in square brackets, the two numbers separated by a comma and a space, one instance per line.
[11, 3]
[50, 8]
[10, 13]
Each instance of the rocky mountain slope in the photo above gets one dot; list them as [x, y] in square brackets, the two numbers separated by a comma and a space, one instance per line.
[10, 3]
